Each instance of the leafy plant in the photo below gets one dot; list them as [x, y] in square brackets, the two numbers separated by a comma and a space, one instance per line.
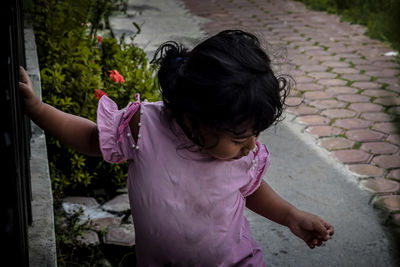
[74, 62]
[69, 247]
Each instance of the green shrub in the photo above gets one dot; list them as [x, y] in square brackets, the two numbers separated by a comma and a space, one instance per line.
[73, 65]
[382, 17]
[71, 251]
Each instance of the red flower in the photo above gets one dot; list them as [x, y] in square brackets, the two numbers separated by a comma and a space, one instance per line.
[116, 77]
[98, 94]
[99, 39]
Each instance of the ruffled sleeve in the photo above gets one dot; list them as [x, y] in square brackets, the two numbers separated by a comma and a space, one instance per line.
[112, 123]
[260, 164]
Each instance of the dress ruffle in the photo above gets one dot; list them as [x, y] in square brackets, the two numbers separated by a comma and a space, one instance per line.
[261, 157]
[112, 123]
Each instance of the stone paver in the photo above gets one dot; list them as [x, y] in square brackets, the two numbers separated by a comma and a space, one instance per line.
[332, 82]
[309, 87]
[336, 143]
[319, 75]
[365, 107]
[302, 110]
[394, 174]
[366, 85]
[394, 139]
[338, 90]
[293, 101]
[89, 238]
[381, 185]
[121, 235]
[324, 131]
[364, 135]
[354, 123]
[345, 70]
[335, 64]
[313, 120]
[366, 170]
[380, 148]
[350, 91]
[352, 156]
[385, 127]
[353, 98]
[326, 104]
[376, 116]
[387, 101]
[391, 203]
[110, 227]
[356, 77]
[338, 113]
[118, 204]
[387, 161]
[379, 93]
[100, 224]
[316, 95]
[87, 201]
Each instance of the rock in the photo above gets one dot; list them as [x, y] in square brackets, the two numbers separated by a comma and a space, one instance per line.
[103, 262]
[129, 219]
[103, 223]
[86, 201]
[87, 212]
[120, 235]
[123, 190]
[119, 204]
[89, 238]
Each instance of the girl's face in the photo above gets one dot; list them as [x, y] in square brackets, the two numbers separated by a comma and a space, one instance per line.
[230, 146]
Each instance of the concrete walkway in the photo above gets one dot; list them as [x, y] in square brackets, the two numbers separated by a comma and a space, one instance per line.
[347, 89]
[347, 94]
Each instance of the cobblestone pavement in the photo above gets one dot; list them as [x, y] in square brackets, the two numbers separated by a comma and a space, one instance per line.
[346, 92]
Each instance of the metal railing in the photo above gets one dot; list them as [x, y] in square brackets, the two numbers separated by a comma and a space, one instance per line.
[15, 189]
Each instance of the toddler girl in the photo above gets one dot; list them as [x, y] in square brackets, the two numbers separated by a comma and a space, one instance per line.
[194, 159]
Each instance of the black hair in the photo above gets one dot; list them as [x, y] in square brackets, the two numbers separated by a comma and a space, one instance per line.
[224, 84]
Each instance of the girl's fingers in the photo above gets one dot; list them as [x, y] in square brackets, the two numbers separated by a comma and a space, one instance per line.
[310, 240]
[325, 229]
[316, 242]
[24, 89]
[321, 230]
[24, 76]
[331, 231]
[328, 227]
[311, 244]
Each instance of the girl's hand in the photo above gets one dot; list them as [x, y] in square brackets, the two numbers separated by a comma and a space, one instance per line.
[32, 103]
[311, 228]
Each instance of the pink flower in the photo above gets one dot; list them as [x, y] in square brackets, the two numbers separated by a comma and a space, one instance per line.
[99, 39]
[98, 94]
[116, 77]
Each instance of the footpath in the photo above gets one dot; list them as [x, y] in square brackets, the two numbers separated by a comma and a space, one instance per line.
[337, 152]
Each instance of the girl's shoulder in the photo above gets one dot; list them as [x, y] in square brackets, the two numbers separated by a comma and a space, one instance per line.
[153, 106]
[152, 110]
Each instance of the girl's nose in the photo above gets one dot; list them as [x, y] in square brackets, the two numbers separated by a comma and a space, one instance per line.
[251, 143]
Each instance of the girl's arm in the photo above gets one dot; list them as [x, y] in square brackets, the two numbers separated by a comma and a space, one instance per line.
[309, 227]
[76, 132]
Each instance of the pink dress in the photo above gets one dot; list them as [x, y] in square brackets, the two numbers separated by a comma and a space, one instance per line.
[187, 208]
